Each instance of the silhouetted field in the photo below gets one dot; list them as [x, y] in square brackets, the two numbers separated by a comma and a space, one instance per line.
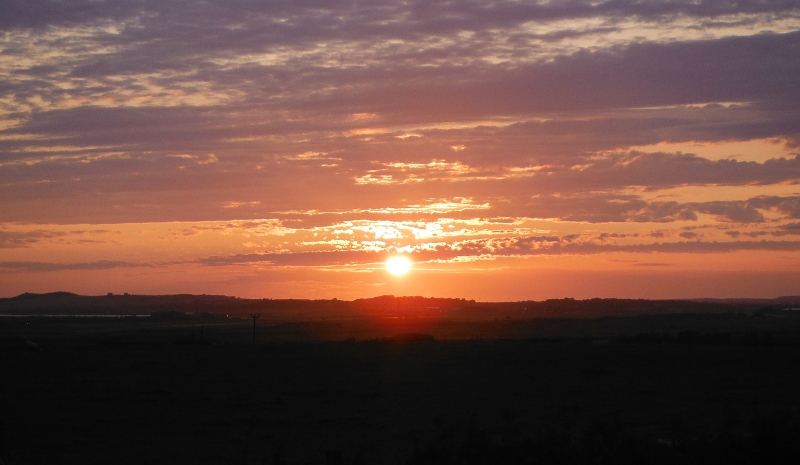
[653, 389]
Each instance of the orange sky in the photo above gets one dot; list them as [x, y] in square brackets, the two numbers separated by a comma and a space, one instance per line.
[512, 150]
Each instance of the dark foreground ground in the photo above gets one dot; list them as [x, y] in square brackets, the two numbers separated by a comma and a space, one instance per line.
[678, 389]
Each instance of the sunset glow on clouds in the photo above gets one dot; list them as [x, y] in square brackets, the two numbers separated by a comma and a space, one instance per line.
[512, 150]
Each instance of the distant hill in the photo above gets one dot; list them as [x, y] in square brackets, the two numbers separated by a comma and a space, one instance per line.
[66, 303]
[787, 299]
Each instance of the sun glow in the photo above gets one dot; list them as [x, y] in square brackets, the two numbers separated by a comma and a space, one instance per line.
[398, 265]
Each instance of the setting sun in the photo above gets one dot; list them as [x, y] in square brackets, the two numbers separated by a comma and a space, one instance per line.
[398, 265]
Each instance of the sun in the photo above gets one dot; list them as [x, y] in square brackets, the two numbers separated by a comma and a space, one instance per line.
[398, 265]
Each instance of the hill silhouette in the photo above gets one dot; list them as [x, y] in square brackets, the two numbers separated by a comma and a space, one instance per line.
[67, 303]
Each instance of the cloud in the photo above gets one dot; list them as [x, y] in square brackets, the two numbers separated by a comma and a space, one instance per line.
[18, 239]
[788, 229]
[299, 18]
[789, 206]
[557, 246]
[658, 170]
[499, 247]
[38, 267]
[600, 207]
[322, 258]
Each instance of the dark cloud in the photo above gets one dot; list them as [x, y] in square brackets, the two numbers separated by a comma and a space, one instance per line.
[788, 229]
[37, 267]
[17, 239]
[740, 212]
[789, 206]
[534, 246]
[324, 258]
[739, 69]
[603, 207]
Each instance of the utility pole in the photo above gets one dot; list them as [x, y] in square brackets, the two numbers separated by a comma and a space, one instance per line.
[254, 316]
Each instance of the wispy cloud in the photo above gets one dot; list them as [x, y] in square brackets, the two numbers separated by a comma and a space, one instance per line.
[38, 267]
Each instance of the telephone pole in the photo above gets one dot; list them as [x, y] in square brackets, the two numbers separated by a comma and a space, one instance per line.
[254, 316]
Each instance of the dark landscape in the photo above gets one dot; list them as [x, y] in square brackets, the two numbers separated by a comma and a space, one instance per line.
[397, 380]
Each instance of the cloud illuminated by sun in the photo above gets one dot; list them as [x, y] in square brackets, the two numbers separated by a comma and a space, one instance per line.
[398, 265]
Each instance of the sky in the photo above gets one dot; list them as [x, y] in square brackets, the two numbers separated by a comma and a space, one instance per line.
[513, 150]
